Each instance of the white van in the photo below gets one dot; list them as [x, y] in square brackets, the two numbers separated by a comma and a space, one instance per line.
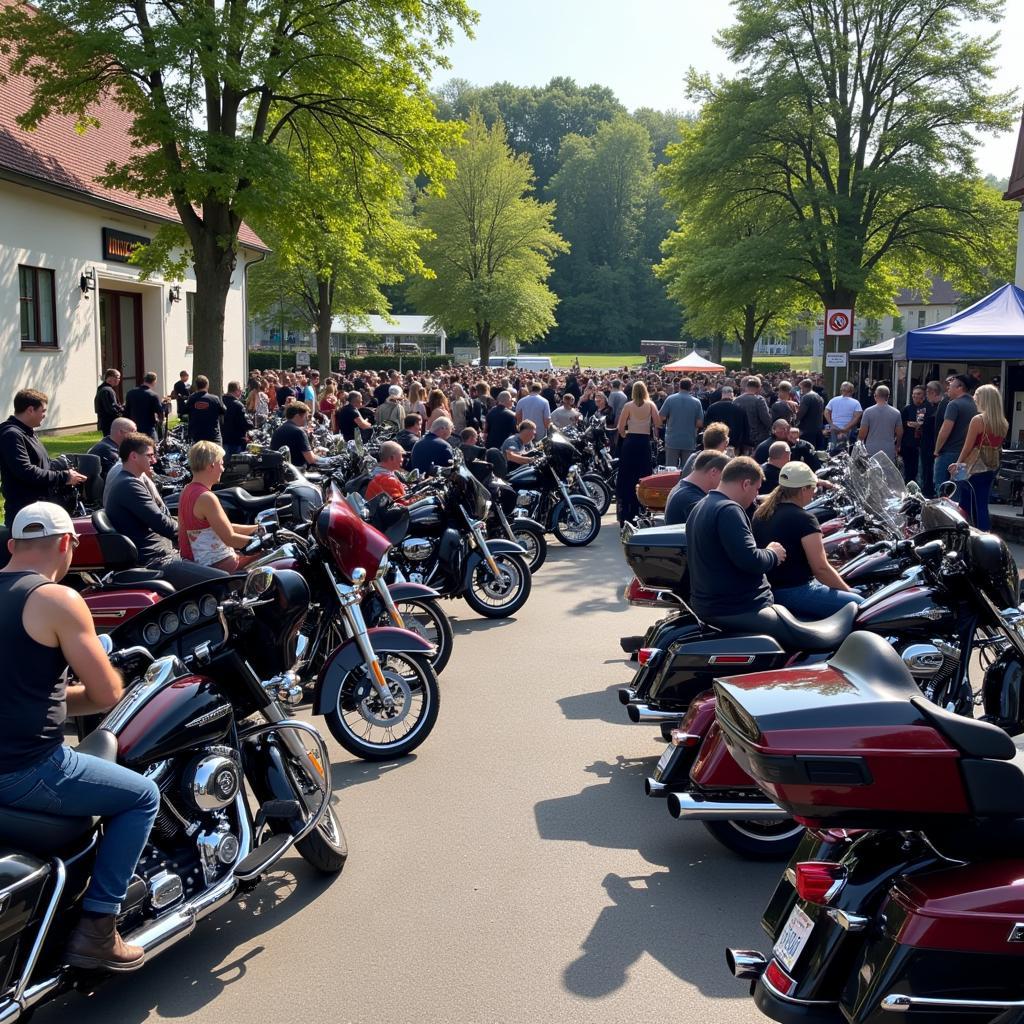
[519, 362]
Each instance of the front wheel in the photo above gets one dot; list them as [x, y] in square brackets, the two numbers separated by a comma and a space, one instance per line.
[376, 730]
[326, 847]
[426, 618]
[530, 537]
[578, 526]
[758, 840]
[501, 596]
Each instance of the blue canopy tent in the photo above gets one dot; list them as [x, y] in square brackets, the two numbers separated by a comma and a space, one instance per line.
[992, 330]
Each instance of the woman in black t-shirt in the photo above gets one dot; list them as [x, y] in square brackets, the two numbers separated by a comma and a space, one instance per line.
[806, 584]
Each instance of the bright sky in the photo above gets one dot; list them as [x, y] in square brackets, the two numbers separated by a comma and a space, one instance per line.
[642, 51]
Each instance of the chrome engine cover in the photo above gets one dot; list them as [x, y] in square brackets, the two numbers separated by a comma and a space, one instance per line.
[417, 549]
[212, 782]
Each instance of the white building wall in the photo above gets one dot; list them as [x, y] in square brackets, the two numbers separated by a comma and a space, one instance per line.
[42, 230]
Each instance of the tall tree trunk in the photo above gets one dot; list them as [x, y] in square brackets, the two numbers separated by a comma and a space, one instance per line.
[324, 319]
[749, 339]
[840, 298]
[213, 268]
[716, 348]
[484, 339]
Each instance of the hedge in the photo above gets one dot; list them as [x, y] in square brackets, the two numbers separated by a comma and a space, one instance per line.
[271, 361]
[762, 365]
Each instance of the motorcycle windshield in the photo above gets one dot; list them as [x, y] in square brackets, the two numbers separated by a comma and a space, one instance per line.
[476, 494]
[879, 489]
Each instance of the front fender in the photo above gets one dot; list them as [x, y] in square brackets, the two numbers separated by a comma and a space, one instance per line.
[408, 591]
[342, 660]
[504, 547]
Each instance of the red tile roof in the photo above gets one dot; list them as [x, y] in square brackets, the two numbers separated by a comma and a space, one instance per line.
[60, 157]
[1016, 189]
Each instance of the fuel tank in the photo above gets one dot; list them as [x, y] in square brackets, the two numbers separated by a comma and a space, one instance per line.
[912, 609]
[524, 478]
[425, 519]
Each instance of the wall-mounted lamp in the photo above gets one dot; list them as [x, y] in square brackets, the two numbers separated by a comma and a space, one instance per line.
[174, 293]
[87, 281]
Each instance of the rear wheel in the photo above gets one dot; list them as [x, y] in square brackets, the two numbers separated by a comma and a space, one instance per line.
[598, 491]
[758, 840]
[532, 540]
[375, 730]
[578, 526]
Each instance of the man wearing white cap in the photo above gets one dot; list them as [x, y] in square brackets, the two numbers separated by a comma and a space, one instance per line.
[43, 629]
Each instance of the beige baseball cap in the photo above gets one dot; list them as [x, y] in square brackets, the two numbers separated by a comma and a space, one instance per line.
[41, 519]
[797, 474]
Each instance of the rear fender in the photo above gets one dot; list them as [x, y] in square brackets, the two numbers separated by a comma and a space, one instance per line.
[715, 767]
[347, 657]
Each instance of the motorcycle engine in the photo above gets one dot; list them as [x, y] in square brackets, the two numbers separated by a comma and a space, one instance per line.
[527, 498]
[212, 779]
[417, 549]
[932, 665]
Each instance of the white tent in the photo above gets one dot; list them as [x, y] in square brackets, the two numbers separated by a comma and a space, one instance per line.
[694, 363]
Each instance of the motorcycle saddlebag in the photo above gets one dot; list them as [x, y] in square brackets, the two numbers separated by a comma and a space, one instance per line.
[652, 491]
[657, 555]
[846, 743]
[22, 881]
[952, 934]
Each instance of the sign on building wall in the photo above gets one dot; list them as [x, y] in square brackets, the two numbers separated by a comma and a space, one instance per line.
[118, 246]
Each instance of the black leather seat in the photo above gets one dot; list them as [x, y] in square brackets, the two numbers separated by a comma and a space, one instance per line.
[130, 579]
[968, 735]
[45, 834]
[244, 500]
[806, 637]
[118, 551]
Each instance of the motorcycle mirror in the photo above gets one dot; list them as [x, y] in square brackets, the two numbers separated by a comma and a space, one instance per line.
[106, 643]
[258, 582]
[268, 517]
[947, 489]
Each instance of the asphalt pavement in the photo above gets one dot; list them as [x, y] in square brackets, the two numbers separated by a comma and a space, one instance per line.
[510, 870]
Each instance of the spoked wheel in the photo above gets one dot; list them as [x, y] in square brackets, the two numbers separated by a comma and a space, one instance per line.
[497, 597]
[532, 540]
[758, 840]
[598, 491]
[375, 729]
[577, 527]
[427, 619]
[326, 847]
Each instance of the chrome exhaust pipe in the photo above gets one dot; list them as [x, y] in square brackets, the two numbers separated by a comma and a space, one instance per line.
[625, 695]
[746, 964]
[642, 713]
[695, 808]
[654, 788]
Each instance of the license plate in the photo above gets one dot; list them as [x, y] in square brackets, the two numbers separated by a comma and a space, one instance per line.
[793, 938]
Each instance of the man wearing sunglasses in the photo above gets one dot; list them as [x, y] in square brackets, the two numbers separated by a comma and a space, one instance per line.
[45, 628]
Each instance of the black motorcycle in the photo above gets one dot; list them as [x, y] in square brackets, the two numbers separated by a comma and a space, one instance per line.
[440, 540]
[543, 493]
[207, 724]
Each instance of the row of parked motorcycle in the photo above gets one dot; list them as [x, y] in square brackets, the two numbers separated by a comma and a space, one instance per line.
[341, 608]
[861, 749]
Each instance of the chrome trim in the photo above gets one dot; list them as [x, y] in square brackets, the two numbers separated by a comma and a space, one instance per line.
[161, 673]
[847, 921]
[654, 788]
[897, 1003]
[746, 963]
[688, 807]
[789, 999]
[60, 876]
[643, 713]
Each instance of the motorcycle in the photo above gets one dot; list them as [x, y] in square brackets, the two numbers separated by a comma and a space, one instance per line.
[905, 895]
[440, 541]
[543, 493]
[207, 726]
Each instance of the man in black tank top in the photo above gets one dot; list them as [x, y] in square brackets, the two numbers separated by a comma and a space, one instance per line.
[43, 628]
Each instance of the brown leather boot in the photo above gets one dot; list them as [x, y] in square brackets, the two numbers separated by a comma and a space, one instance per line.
[96, 946]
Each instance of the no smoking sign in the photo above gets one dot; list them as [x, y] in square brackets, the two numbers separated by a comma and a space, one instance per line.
[839, 322]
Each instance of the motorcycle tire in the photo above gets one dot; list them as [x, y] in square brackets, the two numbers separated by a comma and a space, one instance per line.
[425, 617]
[326, 847]
[531, 538]
[501, 598]
[758, 840]
[576, 535]
[598, 491]
[408, 675]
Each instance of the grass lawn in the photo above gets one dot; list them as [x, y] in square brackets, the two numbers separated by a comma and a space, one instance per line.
[61, 444]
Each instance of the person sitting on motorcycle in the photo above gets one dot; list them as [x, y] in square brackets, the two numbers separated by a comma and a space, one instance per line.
[779, 455]
[384, 479]
[292, 434]
[780, 432]
[205, 534]
[133, 511]
[705, 477]
[43, 628]
[519, 448]
[806, 584]
[727, 568]
[106, 448]
[714, 439]
[433, 449]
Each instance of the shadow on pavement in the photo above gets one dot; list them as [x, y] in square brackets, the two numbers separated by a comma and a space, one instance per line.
[599, 706]
[346, 774]
[196, 971]
[682, 915]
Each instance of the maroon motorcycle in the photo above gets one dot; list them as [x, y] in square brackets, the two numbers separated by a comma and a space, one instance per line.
[921, 909]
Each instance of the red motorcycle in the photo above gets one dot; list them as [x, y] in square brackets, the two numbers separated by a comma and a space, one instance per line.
[921, 909]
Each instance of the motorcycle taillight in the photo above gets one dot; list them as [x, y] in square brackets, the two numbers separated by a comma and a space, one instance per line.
[646, 654]
[778, 978]
[816, 881]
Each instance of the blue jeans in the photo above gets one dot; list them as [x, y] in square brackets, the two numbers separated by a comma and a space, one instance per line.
[973, 499]
[813, 601]
[73, 785]
[234, 449]
[941, 471]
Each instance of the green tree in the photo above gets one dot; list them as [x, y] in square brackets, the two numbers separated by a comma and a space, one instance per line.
[857, 119]
[491, 247]
[212, 86]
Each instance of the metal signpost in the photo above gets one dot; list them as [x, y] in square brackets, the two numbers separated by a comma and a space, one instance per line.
[838, 324]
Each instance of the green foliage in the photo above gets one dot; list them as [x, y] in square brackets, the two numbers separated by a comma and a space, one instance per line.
[353, 364]
[212, 87]
[851, 131]
[490, 247]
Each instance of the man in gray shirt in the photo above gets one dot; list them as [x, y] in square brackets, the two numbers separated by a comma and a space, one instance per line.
[535, 407]
[755, 408]
[881, 426]
[683, 416]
